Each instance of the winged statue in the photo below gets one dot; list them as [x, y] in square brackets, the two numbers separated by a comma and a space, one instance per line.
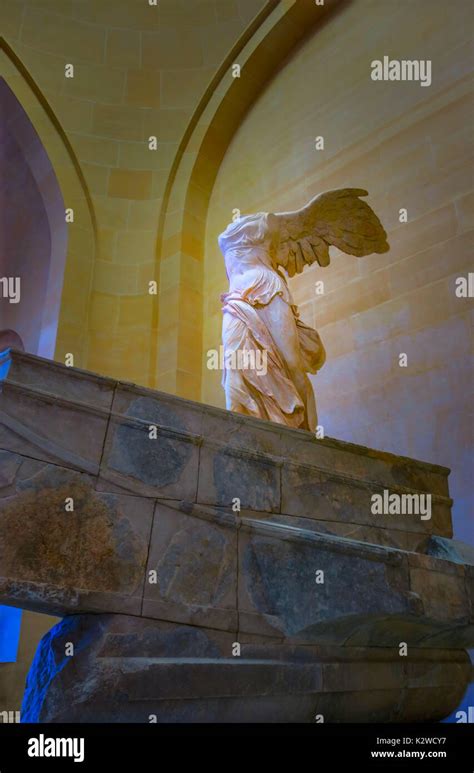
[259, 315]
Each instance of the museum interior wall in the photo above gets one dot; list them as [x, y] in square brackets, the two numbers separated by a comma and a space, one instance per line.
[405, 144]
[138, 73]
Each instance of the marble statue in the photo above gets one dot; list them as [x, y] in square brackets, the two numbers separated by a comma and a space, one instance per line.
[259, 315]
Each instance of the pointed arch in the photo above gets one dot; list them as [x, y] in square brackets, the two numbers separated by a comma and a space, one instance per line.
[57, 172]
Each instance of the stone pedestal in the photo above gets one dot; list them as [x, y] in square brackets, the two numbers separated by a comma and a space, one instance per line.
[213, 567]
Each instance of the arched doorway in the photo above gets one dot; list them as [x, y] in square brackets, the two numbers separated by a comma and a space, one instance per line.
[34, 232]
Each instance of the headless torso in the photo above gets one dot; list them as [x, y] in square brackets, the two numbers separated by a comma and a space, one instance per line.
[259, 314]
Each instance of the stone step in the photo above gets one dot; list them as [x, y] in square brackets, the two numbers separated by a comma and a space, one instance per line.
[204, 684]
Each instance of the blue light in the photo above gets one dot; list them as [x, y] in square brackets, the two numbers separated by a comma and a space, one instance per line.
[10, 618]
[10, 622]
[5, 362]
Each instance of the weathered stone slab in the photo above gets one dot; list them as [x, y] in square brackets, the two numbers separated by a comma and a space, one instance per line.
[60, 381]
[377, 467]
[392, 538]
[16, 471]
[229, 473]
[441, 587]
[56, 560]
[450, 549]
[45, 427]
[164, 410]
[428, 704]
[277, 580]
[133, 461]
[177, 673]
[311, 493]
[212, 568]
[258, 459]
[233, 430]
[194, 566]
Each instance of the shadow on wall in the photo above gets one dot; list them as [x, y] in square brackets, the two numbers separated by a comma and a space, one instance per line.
[34, 232]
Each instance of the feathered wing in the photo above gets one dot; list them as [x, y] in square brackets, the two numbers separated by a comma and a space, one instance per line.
[336, 218]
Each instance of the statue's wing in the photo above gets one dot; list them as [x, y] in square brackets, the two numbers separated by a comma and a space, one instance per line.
[336, 218]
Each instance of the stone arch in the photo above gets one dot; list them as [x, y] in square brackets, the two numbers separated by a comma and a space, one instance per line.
[61, 184]
[175, 363]
[34, 231]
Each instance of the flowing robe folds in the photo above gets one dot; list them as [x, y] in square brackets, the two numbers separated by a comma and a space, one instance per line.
[254, 283]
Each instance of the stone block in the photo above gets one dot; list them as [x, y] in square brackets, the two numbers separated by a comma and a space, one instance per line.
[135, 247]
[169, 130]
[97, 178]
[136, 311]
[235, 431]
[123, 48]
[195, 561]
[443, 593]
[54, 379]
[99, 84]
[77, 42]
[277, 580]
[143, 88]
[188, 385]
[309, 492]
[129, 184]
[171, 48]
[180, 88]
[104, 311]
[95, 150]
[365, 464]
[75, 114]
[56, 559]
[142, 214]
[115, 278]
[11, 19]
[165, 466]
[172, 673]
[118, 122]
[227, 473]
[29, 423]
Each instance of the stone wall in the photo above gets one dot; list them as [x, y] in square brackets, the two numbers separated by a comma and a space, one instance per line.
[140, 71]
